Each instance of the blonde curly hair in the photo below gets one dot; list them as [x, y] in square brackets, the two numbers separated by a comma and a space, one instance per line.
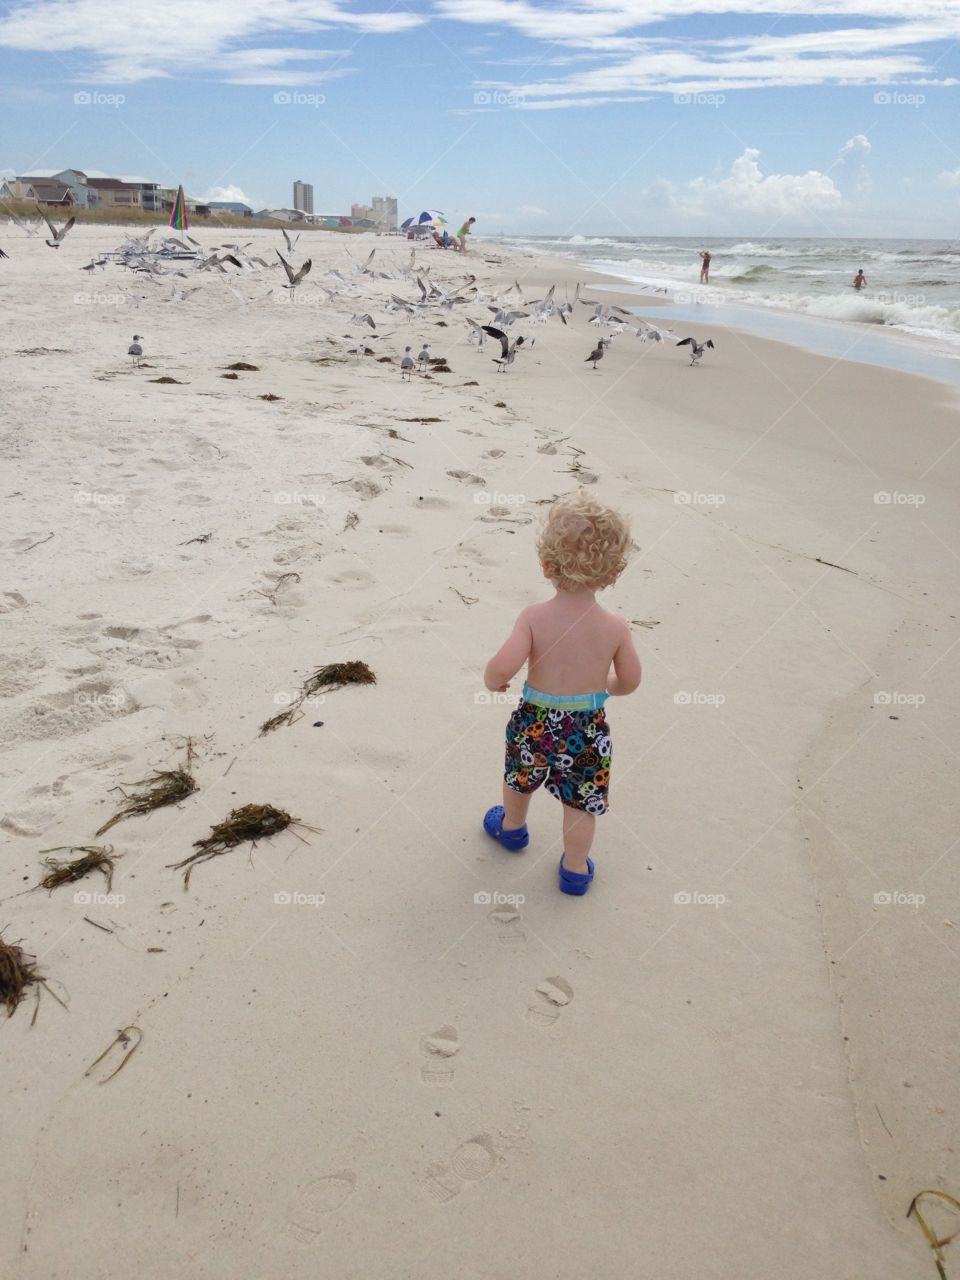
[583, 544]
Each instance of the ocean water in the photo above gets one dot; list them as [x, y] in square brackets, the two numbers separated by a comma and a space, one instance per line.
[913, 286]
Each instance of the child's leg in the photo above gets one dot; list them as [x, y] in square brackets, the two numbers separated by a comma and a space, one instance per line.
[578, 829]
[515, 808]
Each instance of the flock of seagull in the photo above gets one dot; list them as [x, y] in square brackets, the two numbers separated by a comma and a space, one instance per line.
[157, 257]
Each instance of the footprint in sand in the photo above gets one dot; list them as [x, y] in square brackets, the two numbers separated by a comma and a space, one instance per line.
[440, 1047]
[552, 995]
[509, 925]
[472, 1161]
[495, 453]
[467, 477]
[316, 1201]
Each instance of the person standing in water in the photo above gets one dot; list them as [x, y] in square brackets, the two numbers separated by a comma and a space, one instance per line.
[705, 266]
[859, 280]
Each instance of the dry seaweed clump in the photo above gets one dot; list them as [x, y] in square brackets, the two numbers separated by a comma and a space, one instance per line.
[166, 786]
[251, 822]
[327, 679]
[96, 857]
[18, 972]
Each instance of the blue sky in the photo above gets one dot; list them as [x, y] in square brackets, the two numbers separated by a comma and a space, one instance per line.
[763, 117]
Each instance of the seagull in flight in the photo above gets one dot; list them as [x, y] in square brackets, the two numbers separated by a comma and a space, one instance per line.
[58, 233]
[294, 276]
[508, 349]
[291, 244]
[696, 348]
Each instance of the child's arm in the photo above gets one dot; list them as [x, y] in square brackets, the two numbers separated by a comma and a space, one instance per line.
[508, 660]
[626, 666]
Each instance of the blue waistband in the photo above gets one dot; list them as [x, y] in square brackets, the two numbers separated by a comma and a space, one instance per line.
[565, 701]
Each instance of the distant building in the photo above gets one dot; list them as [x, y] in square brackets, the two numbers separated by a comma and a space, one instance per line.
[236, 207]
[363, 212]
[282, 215]
[113, 193]
[385, 212]
[303, 196]
[51, 183]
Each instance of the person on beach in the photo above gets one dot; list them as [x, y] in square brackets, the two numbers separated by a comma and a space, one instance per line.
[463, 233]
[559, 734]
[859, 280]
[704, 266]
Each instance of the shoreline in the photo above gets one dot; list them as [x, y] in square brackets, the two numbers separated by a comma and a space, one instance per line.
[772, 600]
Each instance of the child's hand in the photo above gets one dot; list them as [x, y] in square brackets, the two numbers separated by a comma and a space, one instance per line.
[503, 688]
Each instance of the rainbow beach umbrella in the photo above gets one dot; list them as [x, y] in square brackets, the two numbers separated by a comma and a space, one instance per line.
[178, 214]
[428, 218]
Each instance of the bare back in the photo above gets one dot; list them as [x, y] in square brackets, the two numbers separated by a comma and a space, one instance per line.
[574, 640]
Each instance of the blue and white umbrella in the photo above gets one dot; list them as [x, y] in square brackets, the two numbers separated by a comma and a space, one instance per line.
[428, 218]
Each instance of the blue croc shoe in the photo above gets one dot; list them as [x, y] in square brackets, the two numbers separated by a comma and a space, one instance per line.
[574, 882]
[512, 840]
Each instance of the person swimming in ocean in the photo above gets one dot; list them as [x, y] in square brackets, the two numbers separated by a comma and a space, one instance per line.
[859, 280]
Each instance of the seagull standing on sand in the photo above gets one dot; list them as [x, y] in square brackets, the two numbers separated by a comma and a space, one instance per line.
[596, 355]
[696, 348]
[424, 356]
[407, 365]
[58, 233]
[135, 351]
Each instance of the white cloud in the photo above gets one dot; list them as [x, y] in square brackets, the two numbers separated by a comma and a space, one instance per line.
[630, 55]
[949, 178]
[532, 211]
[232, 193]
[747, 191]
[859, 142]
[162, 37]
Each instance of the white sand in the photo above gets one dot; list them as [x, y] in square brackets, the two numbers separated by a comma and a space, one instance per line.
[405, 1081]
